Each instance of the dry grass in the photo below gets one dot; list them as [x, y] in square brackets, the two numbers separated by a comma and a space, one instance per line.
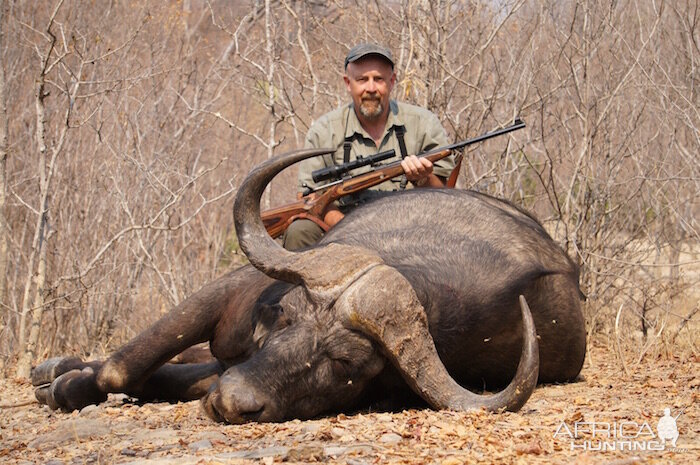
[120, 431]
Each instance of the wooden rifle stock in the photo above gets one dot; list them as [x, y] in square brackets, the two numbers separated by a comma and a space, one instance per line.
[314, 205]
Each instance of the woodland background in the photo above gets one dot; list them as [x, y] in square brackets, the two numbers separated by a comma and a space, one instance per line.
[126, 127]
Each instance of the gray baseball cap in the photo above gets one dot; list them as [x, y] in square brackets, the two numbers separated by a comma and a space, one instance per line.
[362, 50]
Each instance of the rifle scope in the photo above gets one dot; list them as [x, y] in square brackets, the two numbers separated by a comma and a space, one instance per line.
[337, 171]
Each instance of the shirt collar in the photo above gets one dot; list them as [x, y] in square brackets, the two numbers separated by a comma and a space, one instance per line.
[354, 127]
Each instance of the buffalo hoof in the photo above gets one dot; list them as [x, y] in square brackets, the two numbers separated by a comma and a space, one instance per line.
[52, 368]
[72, 390]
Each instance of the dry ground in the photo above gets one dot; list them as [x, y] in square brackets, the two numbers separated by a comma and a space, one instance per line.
[120, 431]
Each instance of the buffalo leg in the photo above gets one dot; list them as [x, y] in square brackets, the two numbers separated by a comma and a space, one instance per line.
[52, 368]
[74, 384]
[191, 322]
[77, 388]
[173, 382]
[67, 383]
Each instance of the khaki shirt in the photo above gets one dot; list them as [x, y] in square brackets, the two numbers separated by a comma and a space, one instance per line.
[423, 132]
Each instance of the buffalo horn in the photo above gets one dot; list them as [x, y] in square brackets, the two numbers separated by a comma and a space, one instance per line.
[396, 320]
[263, 252]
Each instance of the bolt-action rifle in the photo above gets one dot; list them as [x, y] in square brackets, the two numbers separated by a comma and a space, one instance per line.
[317, 199]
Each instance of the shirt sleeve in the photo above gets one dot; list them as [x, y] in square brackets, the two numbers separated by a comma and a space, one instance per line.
[314, 140]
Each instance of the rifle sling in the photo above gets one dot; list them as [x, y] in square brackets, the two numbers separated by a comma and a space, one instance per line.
[452, 180]
[400, 131]
[347, 146]
[307, 216]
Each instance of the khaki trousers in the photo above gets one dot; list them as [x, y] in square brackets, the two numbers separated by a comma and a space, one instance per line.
[301, 233]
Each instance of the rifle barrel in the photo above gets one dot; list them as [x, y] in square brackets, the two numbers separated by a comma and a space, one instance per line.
[517, 124]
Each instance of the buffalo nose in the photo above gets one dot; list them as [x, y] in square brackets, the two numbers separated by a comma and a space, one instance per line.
[235, 401]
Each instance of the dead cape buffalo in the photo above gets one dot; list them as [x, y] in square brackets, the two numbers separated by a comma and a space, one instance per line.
[425, 289]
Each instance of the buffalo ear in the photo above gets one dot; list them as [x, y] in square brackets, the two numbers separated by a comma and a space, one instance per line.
[382, 304]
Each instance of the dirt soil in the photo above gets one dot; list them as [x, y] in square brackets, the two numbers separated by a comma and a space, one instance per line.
[120, 431]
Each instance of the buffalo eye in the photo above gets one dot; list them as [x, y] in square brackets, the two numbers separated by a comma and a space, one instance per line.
[341, 368]
[269, 318]
[272, 316]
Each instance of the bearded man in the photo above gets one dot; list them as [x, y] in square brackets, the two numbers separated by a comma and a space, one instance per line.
[370, 124]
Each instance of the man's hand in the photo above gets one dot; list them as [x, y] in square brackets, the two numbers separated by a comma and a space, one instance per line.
[416, 169]
[332, 215]
[420, 172]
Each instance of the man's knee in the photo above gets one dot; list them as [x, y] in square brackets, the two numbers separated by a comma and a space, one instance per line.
[302, 233]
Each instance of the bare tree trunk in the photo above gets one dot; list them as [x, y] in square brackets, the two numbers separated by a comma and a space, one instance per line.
[38, 240]
[416, 45]
[421, 53]
[37, 280]
[29, 352]
[269, 50]
[3, 167]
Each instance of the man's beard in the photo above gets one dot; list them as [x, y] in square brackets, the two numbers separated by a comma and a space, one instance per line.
[371, 108]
